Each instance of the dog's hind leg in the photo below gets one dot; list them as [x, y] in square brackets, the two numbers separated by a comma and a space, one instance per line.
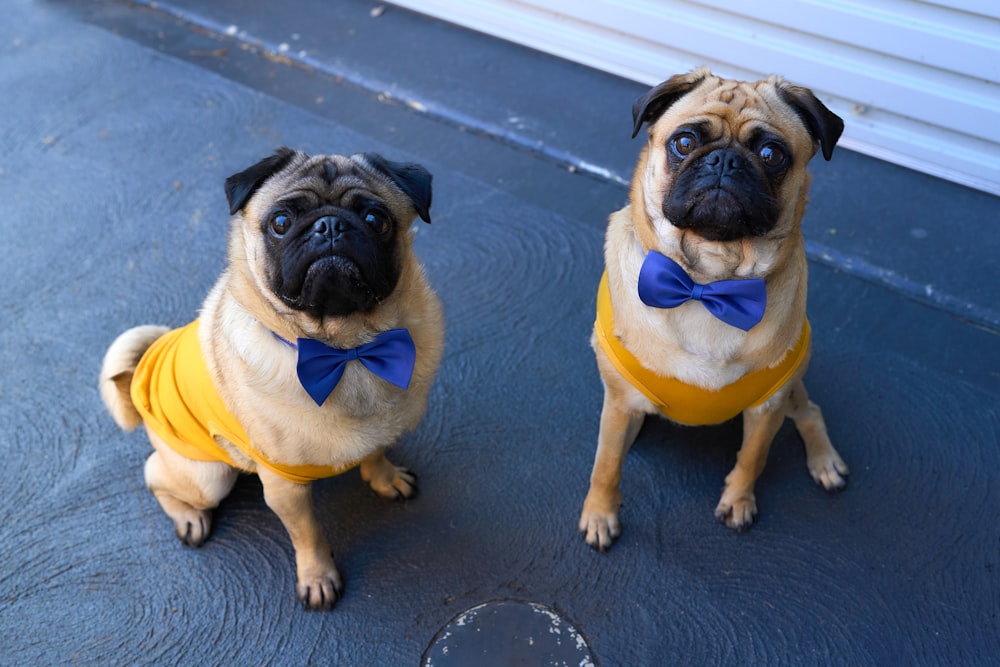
[187, 490]
[823, 461]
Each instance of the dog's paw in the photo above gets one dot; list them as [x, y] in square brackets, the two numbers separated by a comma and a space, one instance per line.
[319, 592]
[192, 526]
[387, 479]
[600, 526]
[829, 471]
[400, 485]
[739, 512]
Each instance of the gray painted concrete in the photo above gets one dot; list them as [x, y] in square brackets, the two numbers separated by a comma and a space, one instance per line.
[121, 123]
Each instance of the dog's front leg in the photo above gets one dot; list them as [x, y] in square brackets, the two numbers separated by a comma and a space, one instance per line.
[619, 428]
[738, 506]
[825, 464]
[319, 584]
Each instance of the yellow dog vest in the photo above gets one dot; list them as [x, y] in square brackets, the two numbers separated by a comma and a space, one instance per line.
[686, 403]
[174, 392]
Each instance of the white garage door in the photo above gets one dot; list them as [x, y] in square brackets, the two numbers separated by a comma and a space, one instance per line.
[918, 83]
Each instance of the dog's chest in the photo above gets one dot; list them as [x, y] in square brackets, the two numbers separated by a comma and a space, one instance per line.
[362, 395]
[362, 414]
[687, 343]
[359, 395]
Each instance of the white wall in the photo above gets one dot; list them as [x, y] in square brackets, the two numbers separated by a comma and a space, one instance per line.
[918, 83]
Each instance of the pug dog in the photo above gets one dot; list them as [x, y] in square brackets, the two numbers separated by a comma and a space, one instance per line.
[702, 307]
[312, 354]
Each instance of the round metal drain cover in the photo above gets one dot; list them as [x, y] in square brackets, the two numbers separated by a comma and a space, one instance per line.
[504, 633]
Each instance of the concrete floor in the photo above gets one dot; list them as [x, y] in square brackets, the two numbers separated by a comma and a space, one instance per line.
[121, 122]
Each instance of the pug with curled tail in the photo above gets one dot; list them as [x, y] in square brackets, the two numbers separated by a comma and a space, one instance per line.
[313, 352]
[701, 311]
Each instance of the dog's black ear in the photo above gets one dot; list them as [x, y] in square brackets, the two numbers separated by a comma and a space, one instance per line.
[411, 178]
[651, 106]
[240, 187]
[824, 125]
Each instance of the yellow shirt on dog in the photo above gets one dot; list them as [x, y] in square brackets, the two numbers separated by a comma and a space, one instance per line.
[174, 392]
[687, 403]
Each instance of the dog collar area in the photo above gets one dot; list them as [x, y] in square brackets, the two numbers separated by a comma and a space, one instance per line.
[687, 403]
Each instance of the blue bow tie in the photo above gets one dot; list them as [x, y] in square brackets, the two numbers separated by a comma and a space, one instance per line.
[663, 283]
[391, 356]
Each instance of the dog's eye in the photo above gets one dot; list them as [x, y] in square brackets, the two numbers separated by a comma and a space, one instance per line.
[377, 220]
[683, 144]
[279, 224]
[772, 155]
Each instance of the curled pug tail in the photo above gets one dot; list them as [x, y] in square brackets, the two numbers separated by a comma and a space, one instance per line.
[117, 369]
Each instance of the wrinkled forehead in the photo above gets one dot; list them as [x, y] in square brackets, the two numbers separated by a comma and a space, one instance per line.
[315, 181]
[328, 175]
[733, 109]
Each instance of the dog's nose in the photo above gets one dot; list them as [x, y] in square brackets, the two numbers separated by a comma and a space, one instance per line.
[329, 226]
[725, 160]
